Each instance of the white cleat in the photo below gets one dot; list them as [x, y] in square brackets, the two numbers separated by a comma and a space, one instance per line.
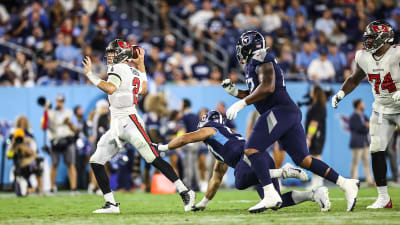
[383, 202]
[321, 196]
[108, 208]
[290, 171]
[271, 200]
[350, 188]
[188, 198]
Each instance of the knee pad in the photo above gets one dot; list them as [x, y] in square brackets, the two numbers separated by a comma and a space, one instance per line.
[96, 158]
[375, 145]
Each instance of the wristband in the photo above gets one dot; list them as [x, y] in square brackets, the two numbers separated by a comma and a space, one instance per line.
[311, 130]
[143, 76]
[94, 79]
[163, 147]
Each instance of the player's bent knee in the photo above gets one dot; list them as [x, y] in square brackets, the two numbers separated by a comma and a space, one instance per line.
[250, 151]
[149, 158]
[239, 185]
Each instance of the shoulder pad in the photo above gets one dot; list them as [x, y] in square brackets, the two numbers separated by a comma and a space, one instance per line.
[259, 55]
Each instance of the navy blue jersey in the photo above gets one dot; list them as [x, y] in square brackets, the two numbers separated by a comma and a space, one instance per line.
[225, 145]
[280, 96]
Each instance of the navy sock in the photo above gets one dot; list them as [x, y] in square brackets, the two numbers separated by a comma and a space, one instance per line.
[166, 169]
[379, 168]
[319, 167]
[101, 177]
[287, 199]
[260, 167]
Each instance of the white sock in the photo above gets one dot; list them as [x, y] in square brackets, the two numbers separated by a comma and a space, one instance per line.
[382, 191]
[301, 196]
[180, 186]
[340, 181]
[275, 173]
[109, 197]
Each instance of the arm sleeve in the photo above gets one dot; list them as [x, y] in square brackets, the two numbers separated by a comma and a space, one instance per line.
[114, 73]
[116, 80]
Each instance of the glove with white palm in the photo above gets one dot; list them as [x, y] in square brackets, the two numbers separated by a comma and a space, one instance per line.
[230, 87]
[337, 98]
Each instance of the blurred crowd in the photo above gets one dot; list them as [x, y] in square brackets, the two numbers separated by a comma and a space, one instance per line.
[312, 40]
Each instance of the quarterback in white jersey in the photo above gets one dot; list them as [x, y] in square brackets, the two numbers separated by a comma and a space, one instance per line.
[123, 86]
[379, 61]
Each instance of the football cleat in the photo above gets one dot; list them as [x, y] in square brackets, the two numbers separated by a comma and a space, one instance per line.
[290, 171]
[108, 208]
[271, 200]
[350, 188]
[188, 198]
[383, 202]
[321, 196]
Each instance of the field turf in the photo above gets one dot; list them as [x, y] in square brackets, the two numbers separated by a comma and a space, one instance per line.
[228, 207]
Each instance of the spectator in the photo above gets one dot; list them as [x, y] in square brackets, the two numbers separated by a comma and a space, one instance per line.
[82, 146]
[246, 20]
[215, 76]
[359, 141]
[101, 19]
[338, 59]
[67, 52]
[57, 13]
[22, 68]
[61, 134]
[189, 122]
[201, 70]
[89, 6]
[325, 23]
[295, 9]
[23, 152]
[199, 19]
[316, 129]
[321, 69]
[304, 58]
[189, 59]
[270, 21]
[216, 26]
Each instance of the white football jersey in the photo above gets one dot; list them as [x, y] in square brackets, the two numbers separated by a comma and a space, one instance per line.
[124, 99]
[384, 76]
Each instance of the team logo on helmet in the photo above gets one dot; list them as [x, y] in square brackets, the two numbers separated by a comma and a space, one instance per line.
[245, 40]
[380, 29]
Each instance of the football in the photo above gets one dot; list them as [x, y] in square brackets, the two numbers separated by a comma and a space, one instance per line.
[135, 49]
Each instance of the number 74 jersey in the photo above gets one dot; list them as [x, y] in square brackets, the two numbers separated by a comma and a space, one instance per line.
[384, 77]
[128, 81]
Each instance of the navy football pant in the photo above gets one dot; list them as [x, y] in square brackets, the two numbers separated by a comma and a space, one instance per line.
[281, 124]
[245, 178]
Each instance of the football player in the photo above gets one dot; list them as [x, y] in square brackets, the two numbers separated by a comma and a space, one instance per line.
[379, 62]
[123, 86]
[280, 120]
[228, 148]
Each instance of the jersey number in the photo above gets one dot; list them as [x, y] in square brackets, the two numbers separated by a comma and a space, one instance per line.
[387, 83]
[135, 91]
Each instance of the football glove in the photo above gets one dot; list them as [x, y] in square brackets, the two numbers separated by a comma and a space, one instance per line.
[230, 87]
[160, 147]
[396, 96]
[232, 112]
[337, 98]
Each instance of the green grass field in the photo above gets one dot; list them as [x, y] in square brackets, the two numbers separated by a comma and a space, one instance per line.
[228, 207]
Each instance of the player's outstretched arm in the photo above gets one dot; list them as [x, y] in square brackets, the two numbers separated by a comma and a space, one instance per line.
[349, 85]
[105, 86]
[219, 171]
[196, 136]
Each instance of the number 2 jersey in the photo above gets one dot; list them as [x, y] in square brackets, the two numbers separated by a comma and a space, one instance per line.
[128, 81]
[384, 77]
[225, 145]
[280, 97]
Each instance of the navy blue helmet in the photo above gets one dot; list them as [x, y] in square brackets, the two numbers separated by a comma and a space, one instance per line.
[248, 43]
[212, 115]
